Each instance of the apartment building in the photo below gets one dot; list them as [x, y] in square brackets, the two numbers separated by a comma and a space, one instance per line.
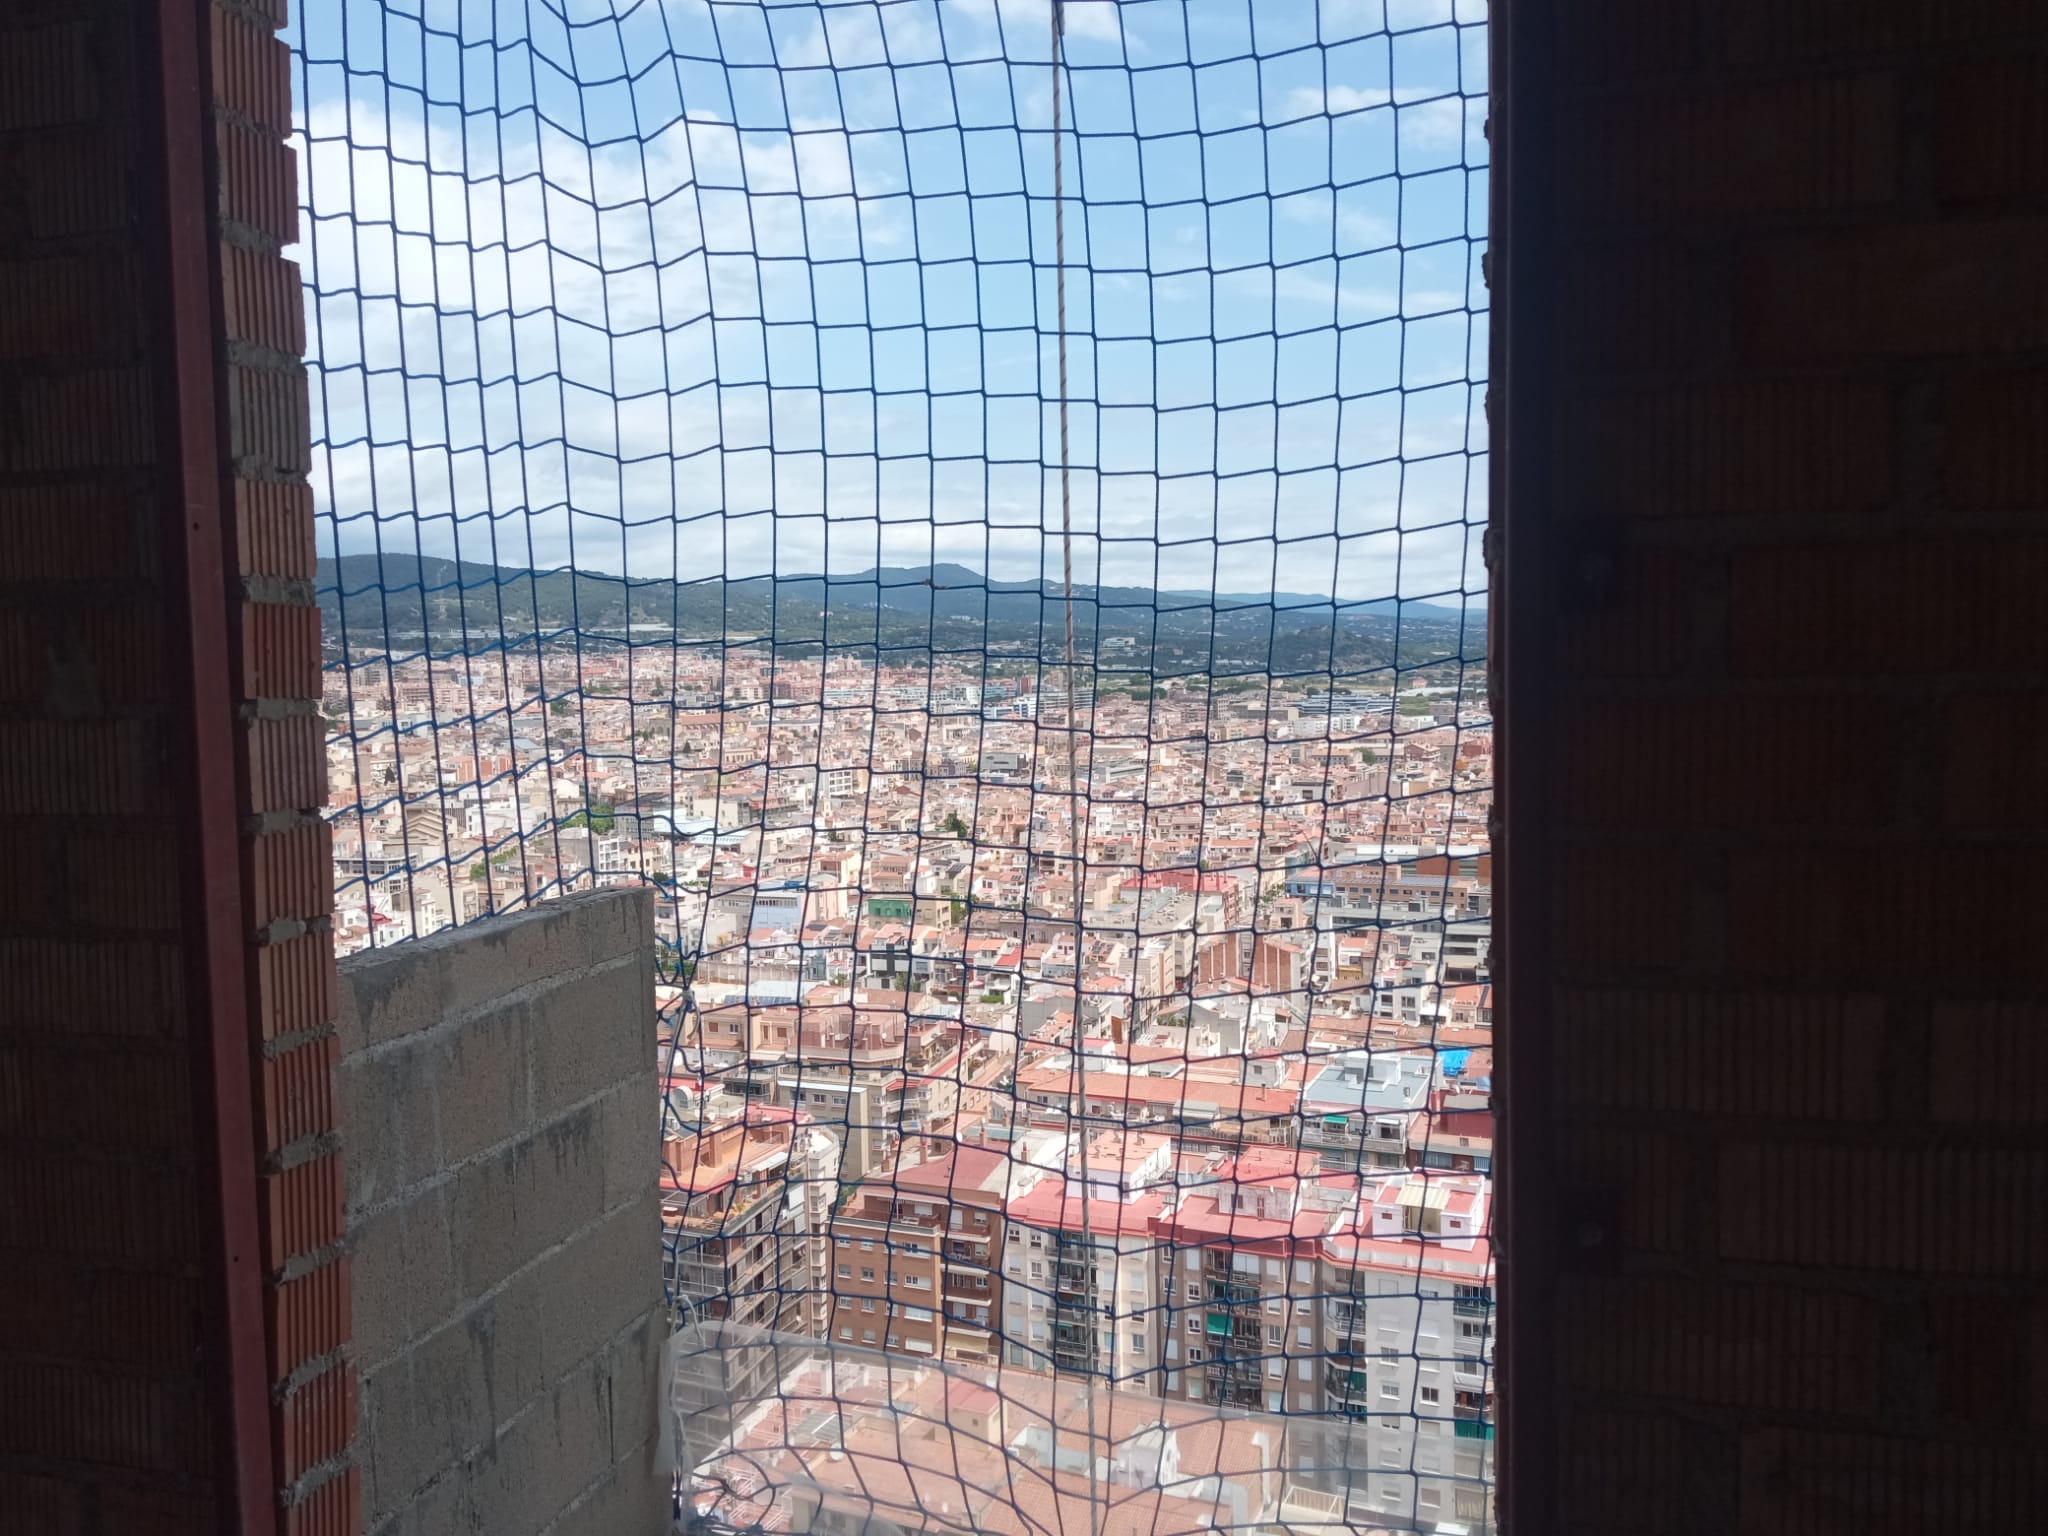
[1081, 1260]
[1239, 1283]
[877, 1074]
[1408, 1329]
[886, 1270]
[746, 1196]
[931, 1229]
[1358, 1109]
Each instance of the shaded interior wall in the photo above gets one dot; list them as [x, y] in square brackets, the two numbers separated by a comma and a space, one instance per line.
[505, 1223]
[172, 1300]
[1771, 483]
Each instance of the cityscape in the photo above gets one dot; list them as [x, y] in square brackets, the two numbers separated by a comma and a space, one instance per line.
[979, 510]
[1023, 768]
[1017, 1030]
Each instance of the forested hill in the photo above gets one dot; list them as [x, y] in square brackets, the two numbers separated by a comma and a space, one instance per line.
[407, 603]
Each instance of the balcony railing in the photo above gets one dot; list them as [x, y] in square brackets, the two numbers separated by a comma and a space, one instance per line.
[1235, 1293]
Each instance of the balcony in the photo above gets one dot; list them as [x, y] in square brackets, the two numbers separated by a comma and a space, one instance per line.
[1346, 1319]
[1234, 1293]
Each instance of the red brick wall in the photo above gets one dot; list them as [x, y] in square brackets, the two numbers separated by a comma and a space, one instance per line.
[173, 1306]
[1771, 329]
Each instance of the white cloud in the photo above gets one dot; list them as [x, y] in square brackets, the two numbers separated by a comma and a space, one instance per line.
[539, 368]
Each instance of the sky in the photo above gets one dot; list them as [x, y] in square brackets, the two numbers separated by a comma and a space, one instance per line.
[684, 289]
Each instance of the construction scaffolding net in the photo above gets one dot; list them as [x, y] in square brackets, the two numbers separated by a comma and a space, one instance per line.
[979, 506]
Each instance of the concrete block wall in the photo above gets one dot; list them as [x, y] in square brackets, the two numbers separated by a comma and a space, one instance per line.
[1772, 513]
[504, 1224]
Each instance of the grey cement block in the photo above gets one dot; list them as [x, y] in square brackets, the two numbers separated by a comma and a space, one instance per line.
[479, 1077]
[520, 1314]
[445, 1507]
[591, 1031]
[507, 1208]
[348, 1018]
[602, 1284]
[633, 1501]
[556, 1448]
[631, 1126]
[561, 1186]
[454, 1386]
[393, 992]
[407, 988]
[378, 1294]
[434, 1290]
[484, 1239]
[388, 1106]
[397, 1446]
[555, 938]
[633, 1362]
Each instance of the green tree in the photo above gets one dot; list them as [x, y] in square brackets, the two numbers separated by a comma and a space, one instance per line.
[599, 816]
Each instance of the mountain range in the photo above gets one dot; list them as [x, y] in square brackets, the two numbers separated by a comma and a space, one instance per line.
[406, 602]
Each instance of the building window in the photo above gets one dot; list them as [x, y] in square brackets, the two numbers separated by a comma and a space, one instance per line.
[1431, 1396]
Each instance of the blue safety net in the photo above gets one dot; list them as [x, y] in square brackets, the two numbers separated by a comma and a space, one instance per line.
[1016, 596]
